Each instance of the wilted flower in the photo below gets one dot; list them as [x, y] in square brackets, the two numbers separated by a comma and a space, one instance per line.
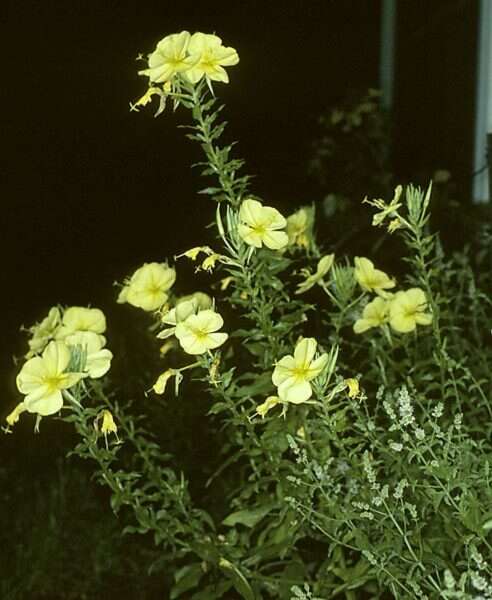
[408, 309]
[324, 265]
[371, 279]
[147, 288]
[261, 224]
[44, 331]
[170, 57]
[192, 253]
[299, 227]
[208, 58]
[13, 417]
[352, 386]
[43, 378]
[263, 408]
[160, 385]
[374, 314]
[292, 374]
[199, 333]
[385, 210]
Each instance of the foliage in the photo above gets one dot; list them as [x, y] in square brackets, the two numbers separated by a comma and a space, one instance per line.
[361, 468]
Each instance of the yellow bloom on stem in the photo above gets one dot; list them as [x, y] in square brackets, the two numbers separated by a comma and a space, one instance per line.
[374, 314]
[108, 424]
[209, 57]
[408, 309]
[43, 378]
[263, 408]
[324, 265]
[44, 331]
[199, 333]
[192, 253]
[80, 318]
[185, 307]
[97, 358]
[292, 374]
[13, 417]
[259, 225]
[161, 383]
[170, 57]
[299, 227]
[371, 279]
[353, 387]
[386, 210]
[147, 288]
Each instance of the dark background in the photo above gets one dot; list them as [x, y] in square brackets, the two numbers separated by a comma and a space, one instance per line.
[93, 190]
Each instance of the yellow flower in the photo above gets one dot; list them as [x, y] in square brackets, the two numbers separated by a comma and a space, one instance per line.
[185, 307]
[97, 358]
[374, 314]
[324, 265]
[147, 288]
[80, 318]
[108, 424]
[407, 310]
[43, 378]
[209, 57]
[166, 347]
[353, 387]
[169, 57]
[13, 417]
[199, 333]
[261, 224]
[44, 331]
[226, 282]
[147, 98]
[385, 210]
[292, 374]
[209, 263]
[160, 385]
[263, 408]
[299, 227]
[371, 279]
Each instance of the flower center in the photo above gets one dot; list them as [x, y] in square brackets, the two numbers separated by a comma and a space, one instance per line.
[53, 382]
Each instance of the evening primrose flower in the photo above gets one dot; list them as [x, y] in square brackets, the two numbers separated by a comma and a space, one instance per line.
[292, 374]
[259, 225]
[97, 358]
[408, 309]
[374, 314]
[147, 288]
[80, 318]
[263, 408]
[161, 383]
[43, 378]
[299, 227]
[199, 333]
[208, 58]
[353, 387]
[371, 279]
[170, 57]
[44, 331]
[193, 253]
[324, 265]
[185, 307]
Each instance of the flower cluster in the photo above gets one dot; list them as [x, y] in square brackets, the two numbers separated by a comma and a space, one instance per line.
[403, 310]
[192, 56]
[65, 347]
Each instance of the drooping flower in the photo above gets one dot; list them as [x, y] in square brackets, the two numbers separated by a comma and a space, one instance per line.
[13, 417]
[324, 265]
[260, 225]
[353, 387]
[199, 333]
[209, 57]
[371, 279]
[44, 331]
[292, 374]
[171, 56]
[375, 314]
[97, 358]
[193, 253]
[161, 382]
[299, 227]
[147, 288]
[266, 406]
[80, 318]
[408, 309]
[108, 424]
[43, 378]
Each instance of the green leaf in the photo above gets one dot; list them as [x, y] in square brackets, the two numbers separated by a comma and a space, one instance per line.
[186, 579]
[240, 582]
[248, 517]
